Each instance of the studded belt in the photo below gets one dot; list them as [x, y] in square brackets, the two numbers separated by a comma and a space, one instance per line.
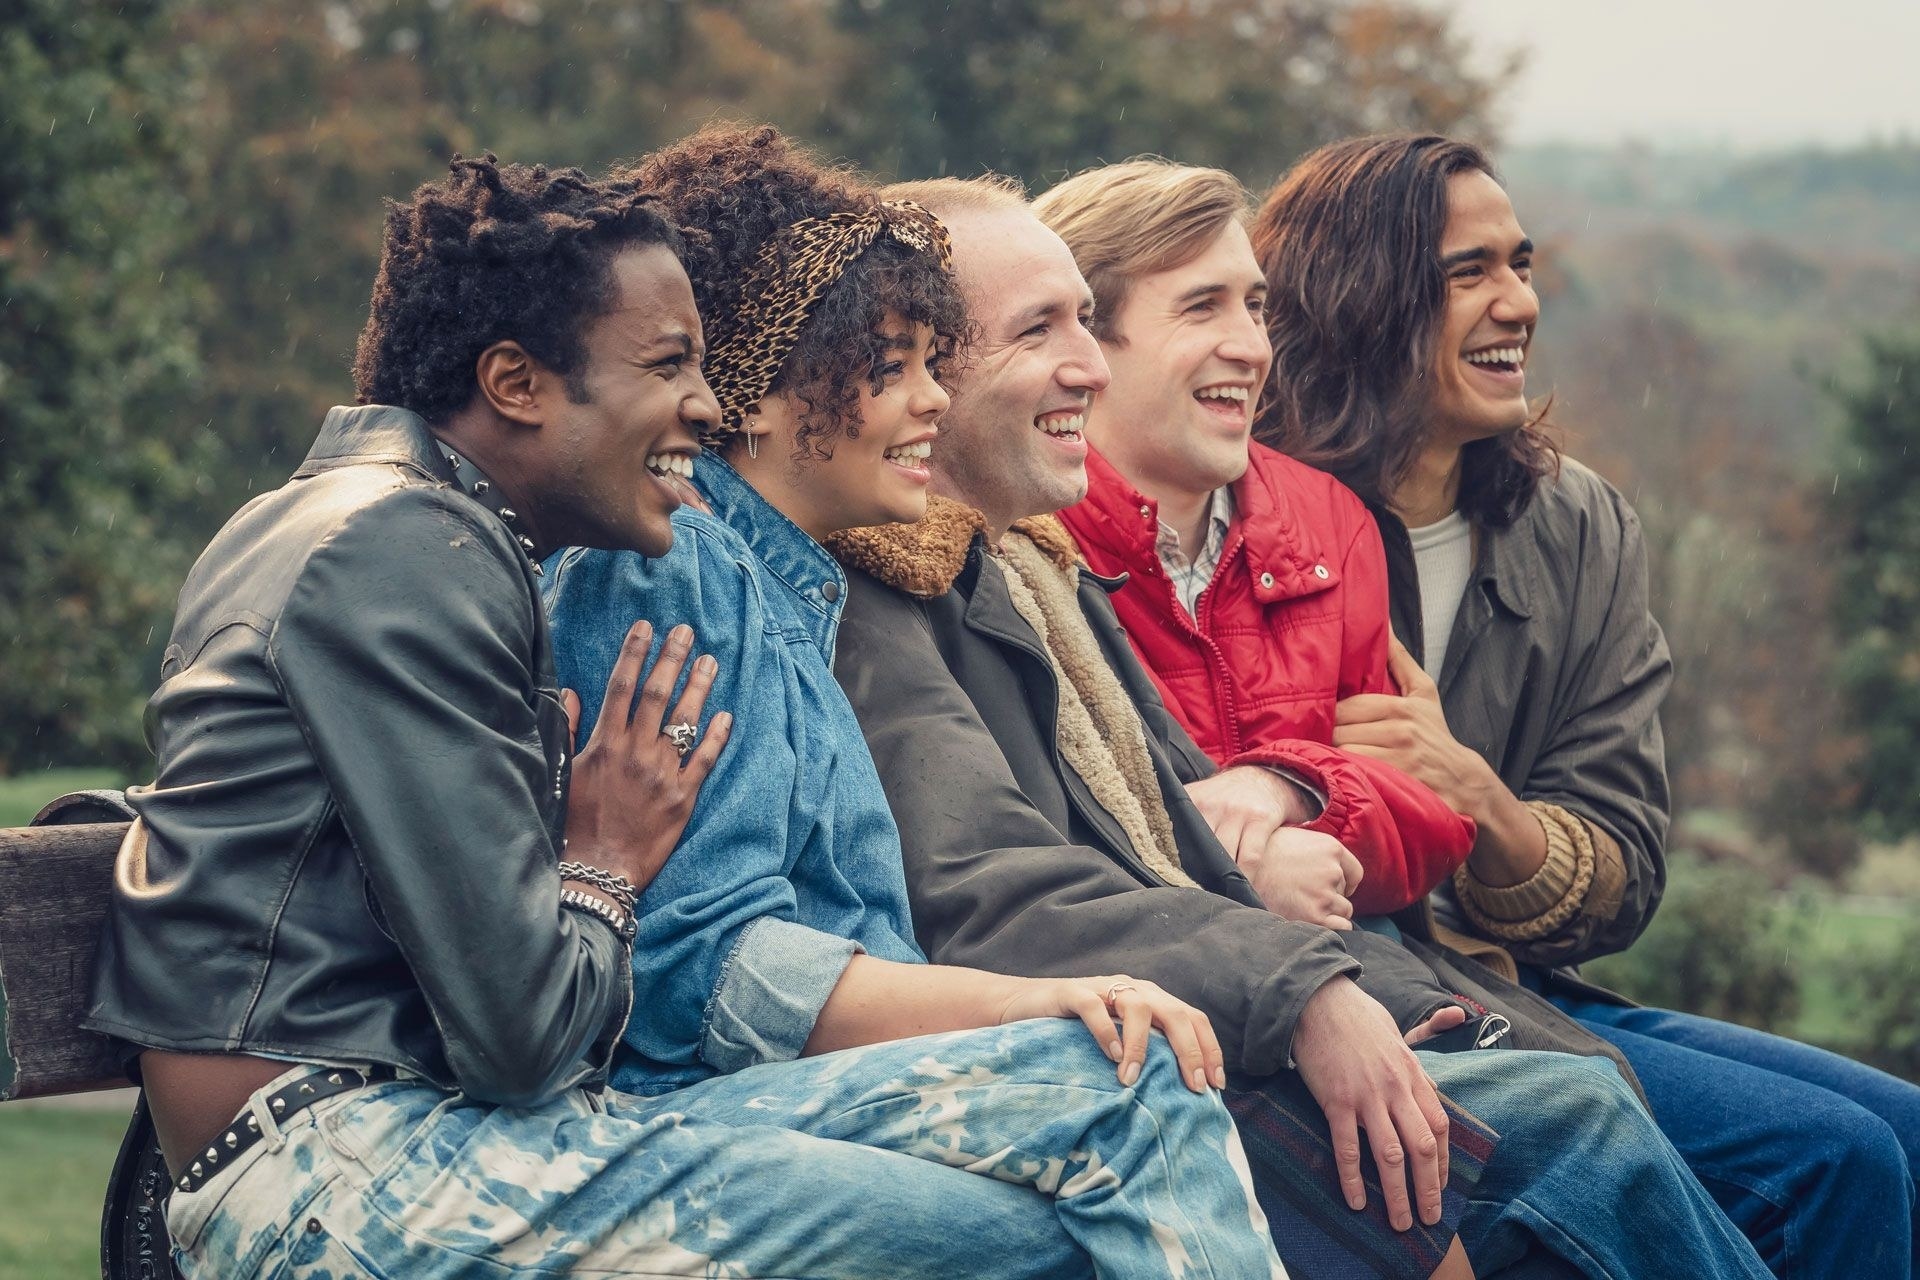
[283, 1102]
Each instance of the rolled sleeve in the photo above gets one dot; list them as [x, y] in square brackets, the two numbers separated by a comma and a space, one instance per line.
[772, 989]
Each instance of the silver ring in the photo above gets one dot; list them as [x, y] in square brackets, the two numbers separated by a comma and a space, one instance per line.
[1117, 988]
[681, 735]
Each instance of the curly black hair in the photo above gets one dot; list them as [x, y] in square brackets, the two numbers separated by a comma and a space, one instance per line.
[735, 188]
[495, 253]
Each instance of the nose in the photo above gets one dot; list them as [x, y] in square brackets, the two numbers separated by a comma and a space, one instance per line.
[1085, 368]
[1517, 304]
[700, 408]
[930, 399]
[1245, 341]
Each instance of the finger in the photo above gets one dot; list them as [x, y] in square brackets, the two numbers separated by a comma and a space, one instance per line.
[1351, 871]
[1087, 1006]
[1406, 674]
[651, 712]
[570, 703]
[1175, 1020]
[1390, 1160]
[1136, 1024]
[1337, 915]
[701, 762]
[627, 665]
[1216, 1057]
[1346, 1156]
[1446, 1018]
[694, 697]
[1423, 1158]
[1373, 733]
[1362, 707]
[1369, 750]
[1436, 1113]
[1229, 832]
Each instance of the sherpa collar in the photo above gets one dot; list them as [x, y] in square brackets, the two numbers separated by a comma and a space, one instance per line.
[925, 558]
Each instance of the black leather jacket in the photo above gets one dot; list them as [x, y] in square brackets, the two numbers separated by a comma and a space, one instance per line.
[361, 794]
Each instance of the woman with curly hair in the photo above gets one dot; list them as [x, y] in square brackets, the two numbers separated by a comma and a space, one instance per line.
[777, 978]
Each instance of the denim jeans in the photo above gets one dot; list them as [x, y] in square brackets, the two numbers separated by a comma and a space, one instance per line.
[1582, 1174]
[1811, 1154]
[1011, 1151]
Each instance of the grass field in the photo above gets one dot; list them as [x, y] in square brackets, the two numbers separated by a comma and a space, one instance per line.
[22, 795]
[54, 1163]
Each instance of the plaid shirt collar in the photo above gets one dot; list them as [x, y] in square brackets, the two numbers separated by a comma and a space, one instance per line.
[1191, 576]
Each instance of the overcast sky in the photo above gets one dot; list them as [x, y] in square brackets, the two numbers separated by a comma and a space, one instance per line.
[1749, 72]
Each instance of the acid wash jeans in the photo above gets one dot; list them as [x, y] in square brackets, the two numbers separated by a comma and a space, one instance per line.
[1010, 1151]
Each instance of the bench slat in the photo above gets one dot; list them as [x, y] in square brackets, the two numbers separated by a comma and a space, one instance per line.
[54, 883]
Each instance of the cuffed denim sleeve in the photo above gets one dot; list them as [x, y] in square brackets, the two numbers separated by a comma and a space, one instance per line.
[771, 991]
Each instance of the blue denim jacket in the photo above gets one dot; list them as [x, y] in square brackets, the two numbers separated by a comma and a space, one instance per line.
[791, 862]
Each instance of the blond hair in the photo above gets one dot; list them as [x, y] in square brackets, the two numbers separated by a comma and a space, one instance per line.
[1141, 216]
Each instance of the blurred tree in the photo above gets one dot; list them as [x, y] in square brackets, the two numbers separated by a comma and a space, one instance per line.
[1876, 501]
[96, 463]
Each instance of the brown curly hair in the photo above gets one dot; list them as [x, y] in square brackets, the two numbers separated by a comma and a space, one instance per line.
[734, 189]
[494, 253]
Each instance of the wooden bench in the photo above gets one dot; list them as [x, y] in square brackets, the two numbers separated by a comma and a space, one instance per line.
[54, 881]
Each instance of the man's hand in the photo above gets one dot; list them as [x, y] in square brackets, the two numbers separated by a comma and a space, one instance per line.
[1350, 1055]
[632, 792]
[1247, 802]
[1303, 875]
[1410, 733]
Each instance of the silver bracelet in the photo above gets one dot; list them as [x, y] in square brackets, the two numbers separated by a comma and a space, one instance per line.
[621, 922]
[614, 885]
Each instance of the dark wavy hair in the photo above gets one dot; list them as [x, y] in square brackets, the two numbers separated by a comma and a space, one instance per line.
[735, 188]
[1350, 243]
[494, 253]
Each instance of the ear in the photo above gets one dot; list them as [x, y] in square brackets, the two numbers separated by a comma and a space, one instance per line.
[513, 382]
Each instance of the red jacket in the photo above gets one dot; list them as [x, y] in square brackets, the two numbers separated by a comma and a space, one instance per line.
[1294, 620]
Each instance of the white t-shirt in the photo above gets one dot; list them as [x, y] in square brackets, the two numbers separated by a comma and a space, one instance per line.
[1443, 558]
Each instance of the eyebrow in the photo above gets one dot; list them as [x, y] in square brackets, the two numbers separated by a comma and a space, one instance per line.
[1481, 253]
[1200, 291]
[675, 338]
[1047, 311]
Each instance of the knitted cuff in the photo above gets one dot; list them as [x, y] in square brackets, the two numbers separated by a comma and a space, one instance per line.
[1545, 900]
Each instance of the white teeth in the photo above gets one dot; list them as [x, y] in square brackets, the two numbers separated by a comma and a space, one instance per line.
[1063, 426]
[1222, 393]
[671, 464]
[1498, 355]
[910, 453]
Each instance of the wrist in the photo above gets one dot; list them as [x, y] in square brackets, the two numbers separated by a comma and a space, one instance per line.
[1510, 846]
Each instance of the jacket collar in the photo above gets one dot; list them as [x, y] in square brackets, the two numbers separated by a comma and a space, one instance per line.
[383, 435]
[782, 547]
[1506, 567]
[1284, 553]
[926, 558]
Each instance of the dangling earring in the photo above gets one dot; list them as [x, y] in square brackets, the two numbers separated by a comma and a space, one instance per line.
[753, 445]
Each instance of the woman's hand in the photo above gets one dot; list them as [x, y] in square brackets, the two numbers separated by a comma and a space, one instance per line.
[1141, 1006]
[632, 791]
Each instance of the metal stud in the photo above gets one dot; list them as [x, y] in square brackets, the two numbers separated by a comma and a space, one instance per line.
[184, 1179]
[538, 572]
[279, 1105]
[305, 1087]
[253, 1122]
[526, 542]
[334, 1078]
[480, 487]
[454, 458]
[508, 514]
[232, 1140]
[197, 1170]
[213, 1155]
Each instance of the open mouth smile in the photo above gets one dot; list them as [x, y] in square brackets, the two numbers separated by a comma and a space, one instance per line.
[1510, 360]
[1228, 400]
[912, 458]
[1066, 425]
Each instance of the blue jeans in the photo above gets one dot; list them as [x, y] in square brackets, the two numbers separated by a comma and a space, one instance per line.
[1012, 1151]
[1811, 1154]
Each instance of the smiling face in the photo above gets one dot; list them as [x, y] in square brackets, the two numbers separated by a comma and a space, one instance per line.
[626, 428]
[1189, 355]
[1015, 443]
[878, 472]
[1479, 365]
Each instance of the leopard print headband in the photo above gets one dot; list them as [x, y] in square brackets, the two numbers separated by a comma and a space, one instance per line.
[747, 346]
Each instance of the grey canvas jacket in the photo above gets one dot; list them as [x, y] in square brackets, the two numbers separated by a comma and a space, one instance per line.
[352, 838]
[1011, 864]
[1555, 673]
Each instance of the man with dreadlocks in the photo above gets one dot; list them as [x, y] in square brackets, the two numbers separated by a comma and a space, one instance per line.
[780, 980]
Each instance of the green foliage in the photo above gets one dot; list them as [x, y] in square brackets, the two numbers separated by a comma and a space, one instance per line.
[1722, 945]
[1882, 991]
[54, 1162]
[1877, 503]
[95, 349]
